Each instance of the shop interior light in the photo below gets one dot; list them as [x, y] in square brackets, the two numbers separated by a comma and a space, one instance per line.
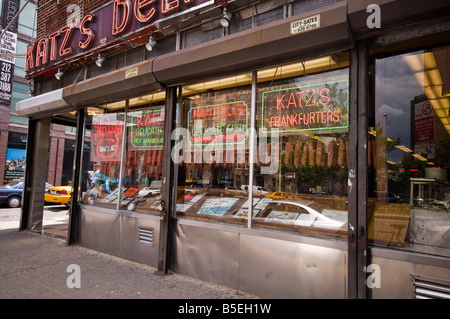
[150, 44]
[295, 69]
[99, 61]
[428, 74]
[325, 63]
[59, 74]
[225, 20]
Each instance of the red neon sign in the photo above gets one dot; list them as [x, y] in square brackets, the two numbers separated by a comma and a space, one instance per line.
[107, 137]
[123, 17]
[140, 6]
[86, 31]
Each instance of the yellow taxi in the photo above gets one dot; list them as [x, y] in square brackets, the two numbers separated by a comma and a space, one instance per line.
[59, 195]
[279, 195]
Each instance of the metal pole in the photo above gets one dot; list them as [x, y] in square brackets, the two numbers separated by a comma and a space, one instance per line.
[124, 148]
[76, 178]
[251, 152]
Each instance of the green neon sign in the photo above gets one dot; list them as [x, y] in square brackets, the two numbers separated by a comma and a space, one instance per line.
[147, 129]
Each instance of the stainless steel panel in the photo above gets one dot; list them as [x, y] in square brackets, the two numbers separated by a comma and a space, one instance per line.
[273, 268]
[207, 254]
[99, 230]
[116, 233]
[268, 267]
[134, 249]
[395, 277]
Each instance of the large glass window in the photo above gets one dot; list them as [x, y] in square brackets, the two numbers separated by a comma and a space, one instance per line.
[212, 149]
[409, 159]
[299, 137]
[122, 161]
[301, 172]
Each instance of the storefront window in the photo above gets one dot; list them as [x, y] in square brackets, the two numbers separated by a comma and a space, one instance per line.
[212, 149]
[143, 160]
[409, 159]
[123, 148]
[300, 169]
[100, 180]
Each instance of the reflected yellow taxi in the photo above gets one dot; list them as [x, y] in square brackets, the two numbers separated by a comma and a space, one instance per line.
[59, 195]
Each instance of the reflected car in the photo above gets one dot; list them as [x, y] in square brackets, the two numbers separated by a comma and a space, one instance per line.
[11, 193]
[279, 195]
[305, 213]
[59, 195]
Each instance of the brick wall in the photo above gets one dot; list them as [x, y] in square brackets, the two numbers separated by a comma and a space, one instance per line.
[51, 16]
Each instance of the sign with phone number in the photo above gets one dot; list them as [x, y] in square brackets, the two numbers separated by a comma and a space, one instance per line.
[6, 77]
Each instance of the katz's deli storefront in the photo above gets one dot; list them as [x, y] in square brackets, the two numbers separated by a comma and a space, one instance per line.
[276, 150]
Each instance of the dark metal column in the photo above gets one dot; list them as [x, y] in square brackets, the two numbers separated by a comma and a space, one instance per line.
[35, 175]
[363, 118]
[167, 180]
[352, 278]
[74, 207]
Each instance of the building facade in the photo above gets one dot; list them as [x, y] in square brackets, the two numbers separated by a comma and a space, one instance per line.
[291, 149]
[21, 19]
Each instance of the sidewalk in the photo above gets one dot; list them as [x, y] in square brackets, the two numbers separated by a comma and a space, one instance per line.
[36, 266]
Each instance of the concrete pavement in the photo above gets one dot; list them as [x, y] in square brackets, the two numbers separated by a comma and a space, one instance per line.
[39, 266]
[42, 266]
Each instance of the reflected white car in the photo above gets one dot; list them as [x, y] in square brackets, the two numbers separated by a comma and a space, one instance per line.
[305, 213]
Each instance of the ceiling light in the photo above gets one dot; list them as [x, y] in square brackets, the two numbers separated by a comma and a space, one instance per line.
[99, 61]
[225, 21]
[59, 74]
[150, 44]
[30, 90]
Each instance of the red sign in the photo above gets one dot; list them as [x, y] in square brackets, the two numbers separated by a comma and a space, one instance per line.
[423, 122]
[121, 17]
[107, 135]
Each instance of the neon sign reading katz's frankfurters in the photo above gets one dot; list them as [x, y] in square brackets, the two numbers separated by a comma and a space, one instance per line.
[315, 107]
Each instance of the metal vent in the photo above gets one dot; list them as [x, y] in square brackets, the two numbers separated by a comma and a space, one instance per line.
[145, 235]
[430, 288]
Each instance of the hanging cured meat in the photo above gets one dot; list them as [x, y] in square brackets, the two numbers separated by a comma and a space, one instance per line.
[308, 153]
[297, 153]
[331, 160]
[320, 154]
[288, 157]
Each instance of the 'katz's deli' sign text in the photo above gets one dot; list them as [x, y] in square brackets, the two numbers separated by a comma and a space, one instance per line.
[94, 29]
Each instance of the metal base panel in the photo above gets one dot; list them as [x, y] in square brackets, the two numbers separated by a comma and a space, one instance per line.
[260, 263]
[132, 236]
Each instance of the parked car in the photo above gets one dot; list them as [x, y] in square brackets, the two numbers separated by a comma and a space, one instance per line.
[11, 193]
[59, 195]
[305, 213]
[257, 190]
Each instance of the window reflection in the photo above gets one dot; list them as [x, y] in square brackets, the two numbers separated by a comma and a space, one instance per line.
[125, 152]
[300, 168]
[143, 160]
[408, 152]
[212, 149]
[105, 143]
[307, 117]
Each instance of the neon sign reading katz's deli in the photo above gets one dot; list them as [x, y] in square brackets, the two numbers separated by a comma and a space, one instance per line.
[315, 107]
[119, 18]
